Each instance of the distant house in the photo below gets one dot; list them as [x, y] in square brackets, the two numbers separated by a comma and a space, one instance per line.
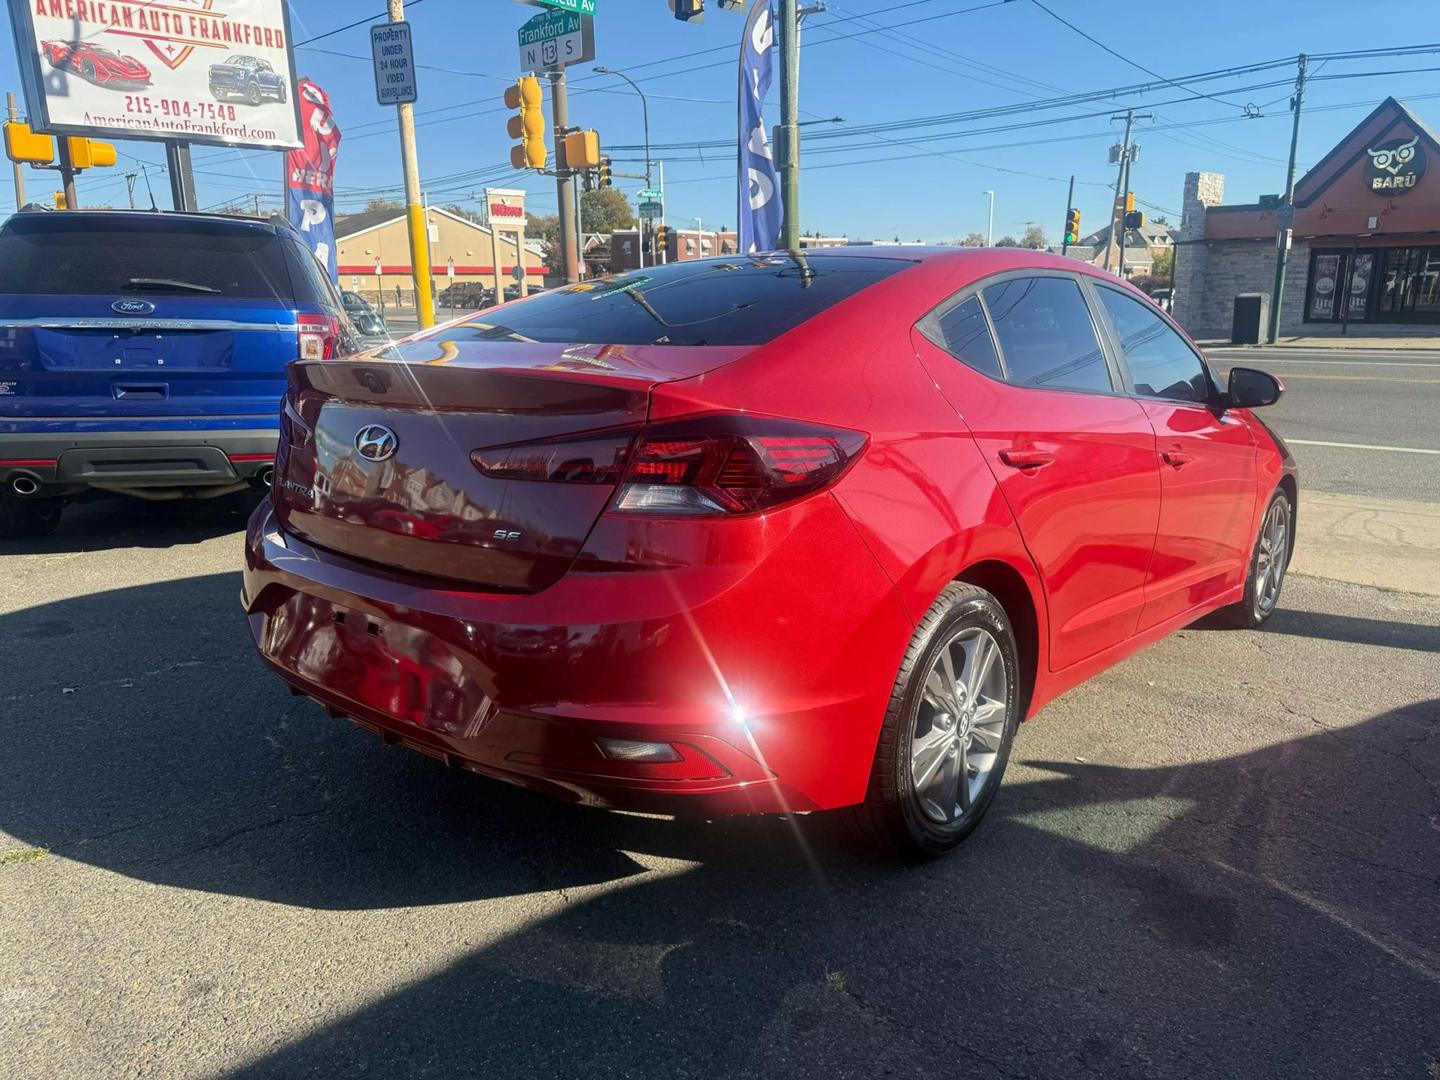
[1141, 247]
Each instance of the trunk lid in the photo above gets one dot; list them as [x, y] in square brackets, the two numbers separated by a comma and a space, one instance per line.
[425, 507]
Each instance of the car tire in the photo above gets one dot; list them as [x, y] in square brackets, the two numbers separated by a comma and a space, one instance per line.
[22, 519]
[87, 71]
[920, 819]
[252, 93]
[283, 96]
[1266, 575]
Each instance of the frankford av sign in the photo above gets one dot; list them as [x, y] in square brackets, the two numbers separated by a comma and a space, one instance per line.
[1395, 166]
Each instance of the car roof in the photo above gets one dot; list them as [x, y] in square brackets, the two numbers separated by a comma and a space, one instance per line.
[272, 225]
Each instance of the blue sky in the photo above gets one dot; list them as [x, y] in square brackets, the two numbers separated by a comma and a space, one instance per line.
[936, 58]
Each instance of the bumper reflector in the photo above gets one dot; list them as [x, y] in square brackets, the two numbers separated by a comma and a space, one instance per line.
[640, 752]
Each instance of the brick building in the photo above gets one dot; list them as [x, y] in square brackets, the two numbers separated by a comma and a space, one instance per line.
[1365, 246]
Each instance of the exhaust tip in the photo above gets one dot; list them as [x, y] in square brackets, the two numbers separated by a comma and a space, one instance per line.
[24, 484]
[267, 477]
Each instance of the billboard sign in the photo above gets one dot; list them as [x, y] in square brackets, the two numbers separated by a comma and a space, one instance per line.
[202, 71]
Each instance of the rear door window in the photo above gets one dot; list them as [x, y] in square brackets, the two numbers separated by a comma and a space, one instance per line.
[1161, 364]
[962, 331]
[1046, 334]
[64, 254]
[739, 301]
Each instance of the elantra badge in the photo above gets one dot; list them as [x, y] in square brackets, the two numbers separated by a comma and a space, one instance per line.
[376, 442]
[133, 307]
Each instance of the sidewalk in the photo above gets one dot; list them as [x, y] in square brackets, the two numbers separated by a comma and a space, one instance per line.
[1389, 543]
[1369, 342]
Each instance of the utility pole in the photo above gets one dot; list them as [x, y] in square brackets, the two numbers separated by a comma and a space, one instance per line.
[130, 179]
[414, 211]
[990, 221]
[13, 114]
[789, 148]
[67, 172]
[182, 176]
[1122, 177]
[1285, 217]
[1069, 202]
[564, 177]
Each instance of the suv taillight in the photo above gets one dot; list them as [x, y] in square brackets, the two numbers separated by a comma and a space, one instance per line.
[715, 464]
[319, 336]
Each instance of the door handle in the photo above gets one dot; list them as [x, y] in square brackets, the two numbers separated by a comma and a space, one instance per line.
[1026, 459]
[1176, 458]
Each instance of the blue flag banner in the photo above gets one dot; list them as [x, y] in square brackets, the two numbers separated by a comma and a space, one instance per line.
[310, 176]
[759, 186]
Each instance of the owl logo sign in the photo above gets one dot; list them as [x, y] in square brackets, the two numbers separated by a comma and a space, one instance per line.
[1395, 166]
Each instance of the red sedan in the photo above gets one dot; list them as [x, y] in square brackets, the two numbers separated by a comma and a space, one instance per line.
[96, 64]
[762, 534]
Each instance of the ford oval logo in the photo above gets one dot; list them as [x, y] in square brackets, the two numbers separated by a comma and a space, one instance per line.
[133, 307]
[376, 442]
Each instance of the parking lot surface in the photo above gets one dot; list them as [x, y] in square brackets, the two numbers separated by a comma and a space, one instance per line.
[1220, 859]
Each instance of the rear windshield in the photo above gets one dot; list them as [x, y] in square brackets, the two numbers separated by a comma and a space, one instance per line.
[65, 254]
[728, 301]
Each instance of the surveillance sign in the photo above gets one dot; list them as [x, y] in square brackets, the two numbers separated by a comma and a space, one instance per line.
[394, 63]
[203, 71]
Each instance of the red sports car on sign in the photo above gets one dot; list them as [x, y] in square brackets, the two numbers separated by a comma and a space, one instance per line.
[781, 532]
[96, 64]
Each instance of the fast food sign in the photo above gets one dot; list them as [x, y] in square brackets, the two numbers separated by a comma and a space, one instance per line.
[203, 71]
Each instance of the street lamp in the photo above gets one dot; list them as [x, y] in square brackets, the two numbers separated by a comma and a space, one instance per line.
[645, 118]
[990, 222]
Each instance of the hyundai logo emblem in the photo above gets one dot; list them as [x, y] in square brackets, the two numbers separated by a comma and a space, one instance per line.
[133, 307]
[376, 442]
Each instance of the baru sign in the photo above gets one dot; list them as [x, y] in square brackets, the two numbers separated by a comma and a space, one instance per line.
[1395, 166]
[203, 71]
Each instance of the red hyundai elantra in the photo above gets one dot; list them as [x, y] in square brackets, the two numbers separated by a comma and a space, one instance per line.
[787, 532]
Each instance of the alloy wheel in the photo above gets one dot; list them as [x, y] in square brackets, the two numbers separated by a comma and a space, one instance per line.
[959, 725]
[1273, 556]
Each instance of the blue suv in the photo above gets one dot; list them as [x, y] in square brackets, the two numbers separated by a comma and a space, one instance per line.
[145, 353]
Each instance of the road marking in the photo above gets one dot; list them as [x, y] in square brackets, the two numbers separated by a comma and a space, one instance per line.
[1350, 363]
[1358, 378]
[1362, 446]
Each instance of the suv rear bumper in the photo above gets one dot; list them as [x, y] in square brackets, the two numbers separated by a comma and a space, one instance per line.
[138, 459]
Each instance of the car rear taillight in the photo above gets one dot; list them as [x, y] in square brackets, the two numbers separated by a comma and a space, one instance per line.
[319, 336]
[714, 464]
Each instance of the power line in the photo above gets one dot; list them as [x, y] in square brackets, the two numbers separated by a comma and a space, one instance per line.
[357, 22]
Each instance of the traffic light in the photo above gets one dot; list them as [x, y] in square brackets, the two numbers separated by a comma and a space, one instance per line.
[1072, 226]
[1129, 202]
[25, 147]
[1134, 219]
[605, 180]
[662, 238]
[59, 197]
[582, 150]
[587, 180]
[528, 124]
[688, 10]
[90, 153]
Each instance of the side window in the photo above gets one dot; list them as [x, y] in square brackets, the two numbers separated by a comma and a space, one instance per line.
[962, 332]
[1160, 362]
[1046, 335]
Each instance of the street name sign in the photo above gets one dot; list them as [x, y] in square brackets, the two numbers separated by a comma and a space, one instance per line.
[554, 39]
[580, 7]
[650, 193]
[394, 63]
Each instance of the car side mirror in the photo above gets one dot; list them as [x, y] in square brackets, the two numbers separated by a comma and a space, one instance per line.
[1252, 389]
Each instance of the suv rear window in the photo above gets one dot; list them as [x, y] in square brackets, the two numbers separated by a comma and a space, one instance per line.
[77, 254]
[730, 301]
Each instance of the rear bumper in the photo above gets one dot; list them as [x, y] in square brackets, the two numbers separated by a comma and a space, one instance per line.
[770, 679]
[136, 459]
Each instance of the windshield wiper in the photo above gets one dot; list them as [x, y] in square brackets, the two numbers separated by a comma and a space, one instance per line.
[144, 284]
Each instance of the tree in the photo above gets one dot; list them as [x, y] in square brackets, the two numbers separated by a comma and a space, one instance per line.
[975, 239]
[547, 230]
[1007, 241]
[605, 210]
[1162, 269]
[377, 205]
[1034, 238]
[460, 212]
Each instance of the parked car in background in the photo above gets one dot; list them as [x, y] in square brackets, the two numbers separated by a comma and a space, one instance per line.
[96, 64]
[144, 353]
[369, 324]
[246, 77]
[774, 534]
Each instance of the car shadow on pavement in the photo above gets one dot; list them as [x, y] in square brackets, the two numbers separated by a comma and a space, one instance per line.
[1358, 631]
[1272, 913]
[102, 522]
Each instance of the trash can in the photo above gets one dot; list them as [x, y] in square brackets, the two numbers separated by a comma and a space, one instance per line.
[1252, 318]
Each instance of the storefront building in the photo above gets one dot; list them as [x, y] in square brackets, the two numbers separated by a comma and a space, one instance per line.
[1365, 247]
